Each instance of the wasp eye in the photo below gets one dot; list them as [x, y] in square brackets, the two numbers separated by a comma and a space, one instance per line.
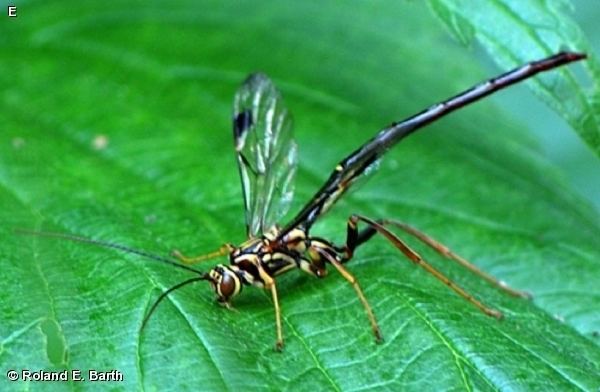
[228, 284]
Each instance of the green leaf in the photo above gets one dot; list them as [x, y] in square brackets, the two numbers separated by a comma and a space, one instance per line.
[116, 125]
[512, 31]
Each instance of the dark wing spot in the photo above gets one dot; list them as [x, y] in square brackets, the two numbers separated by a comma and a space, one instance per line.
[242, 123]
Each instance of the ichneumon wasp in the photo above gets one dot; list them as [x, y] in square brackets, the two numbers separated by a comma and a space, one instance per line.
[266, 155]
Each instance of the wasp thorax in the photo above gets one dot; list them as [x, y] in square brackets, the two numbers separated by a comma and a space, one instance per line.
[225, 281]
[296, 240]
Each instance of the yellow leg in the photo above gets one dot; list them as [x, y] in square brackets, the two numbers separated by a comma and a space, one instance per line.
[270, 284]
[446, 252]
[222, 251]
[417, 259]
[354, 282]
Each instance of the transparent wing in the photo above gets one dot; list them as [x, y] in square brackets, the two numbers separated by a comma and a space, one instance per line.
[266, 152]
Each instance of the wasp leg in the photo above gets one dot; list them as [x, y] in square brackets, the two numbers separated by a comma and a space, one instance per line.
[270, 285]
[354, 239]
[225, 249]
[354, 282]
[227, 305]
[447, 252]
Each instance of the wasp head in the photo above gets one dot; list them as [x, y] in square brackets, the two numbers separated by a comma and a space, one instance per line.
[225, 281]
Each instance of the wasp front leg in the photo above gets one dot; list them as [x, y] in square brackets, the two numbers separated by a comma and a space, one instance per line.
[224, 250]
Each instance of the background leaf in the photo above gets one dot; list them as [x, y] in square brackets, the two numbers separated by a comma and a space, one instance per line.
[116, 125]
[511, 31]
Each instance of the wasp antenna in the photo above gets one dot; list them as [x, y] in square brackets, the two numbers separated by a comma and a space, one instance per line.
[167, 292]
[107, 244]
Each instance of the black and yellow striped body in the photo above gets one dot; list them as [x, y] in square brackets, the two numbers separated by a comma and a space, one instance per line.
[257, 261]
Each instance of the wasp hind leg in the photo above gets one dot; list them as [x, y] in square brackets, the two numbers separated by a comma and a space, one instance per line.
[447, 253]
[356, 238]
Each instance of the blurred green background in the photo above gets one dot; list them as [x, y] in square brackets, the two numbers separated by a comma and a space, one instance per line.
[575, 159]
[116, 125]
